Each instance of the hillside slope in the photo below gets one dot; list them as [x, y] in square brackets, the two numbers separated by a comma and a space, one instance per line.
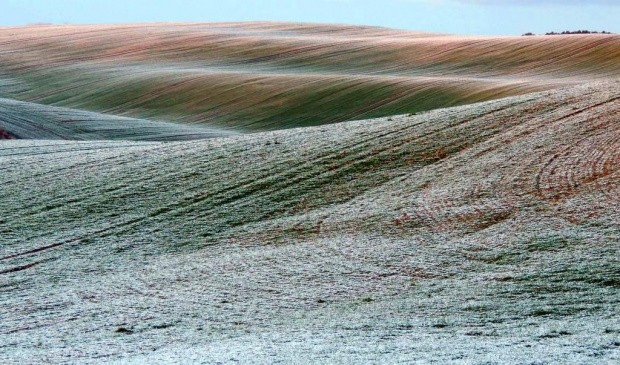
[486, 232]
[23, 120]
[266, 76]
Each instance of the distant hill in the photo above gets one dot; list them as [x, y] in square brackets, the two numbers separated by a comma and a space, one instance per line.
[252, 77]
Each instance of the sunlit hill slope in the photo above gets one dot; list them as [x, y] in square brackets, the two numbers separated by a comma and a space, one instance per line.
[266, 76]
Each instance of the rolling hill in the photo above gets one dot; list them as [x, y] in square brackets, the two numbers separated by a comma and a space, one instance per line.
[483, 233]
[252, 77]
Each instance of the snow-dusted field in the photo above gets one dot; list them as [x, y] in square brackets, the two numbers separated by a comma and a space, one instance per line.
[483, 234]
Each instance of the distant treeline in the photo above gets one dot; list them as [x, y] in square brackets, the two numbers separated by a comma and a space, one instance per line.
[571, 32]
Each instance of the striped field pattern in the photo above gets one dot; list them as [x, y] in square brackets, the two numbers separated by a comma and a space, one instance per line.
[250, 77]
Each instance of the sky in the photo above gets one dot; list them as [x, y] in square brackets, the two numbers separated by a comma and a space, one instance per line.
[491, 17]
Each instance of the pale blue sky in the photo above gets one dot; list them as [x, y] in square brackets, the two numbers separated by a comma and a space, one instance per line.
[449, 16]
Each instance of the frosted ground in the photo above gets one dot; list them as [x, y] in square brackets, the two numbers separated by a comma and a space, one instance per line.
[482, 234]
